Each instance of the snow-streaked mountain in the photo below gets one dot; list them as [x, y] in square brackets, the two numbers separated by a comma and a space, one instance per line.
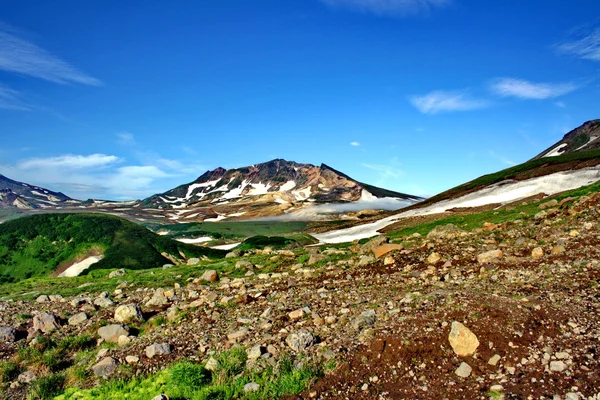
[584, 138]
[23, 196]
[275, 187]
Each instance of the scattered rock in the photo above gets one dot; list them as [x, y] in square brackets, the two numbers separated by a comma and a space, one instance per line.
[158, 298]
[300, 340]
[77, 319]
[538, 252]
[244, 264]
[158, 349]
[447, 231]
[128, 313]
[255, 352]
[494, 360]
[111, 333]
[210, 276]
[386, 248]
[297, 314]
[558, 366]
[105, 367]
[161, 396]
[251, 387]
[45, 323]
[42, 299]
[117, 273]
[464, 370]
[212, 364]
[489, 256]
[237, 335]
[548, 204]
[463, 341]
[193, 261]
[26, 377]
[434, 258]
[132, 359]
[7, 334]
[366, 318]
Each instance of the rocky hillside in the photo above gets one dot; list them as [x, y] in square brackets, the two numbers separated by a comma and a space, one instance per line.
[498, 305]
[23, 196]
[270, 188]
[583, 138]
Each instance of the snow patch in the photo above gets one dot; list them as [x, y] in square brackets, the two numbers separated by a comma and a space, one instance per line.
[555, 151]
[289, 185]
[219, 218]
[501, 192]
[78, 268]
[592, 139]
[226, 246]
[302, 194]
[279, 199]
[202, 239]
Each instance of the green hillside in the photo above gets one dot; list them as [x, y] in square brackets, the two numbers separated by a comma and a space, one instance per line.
[38, 244]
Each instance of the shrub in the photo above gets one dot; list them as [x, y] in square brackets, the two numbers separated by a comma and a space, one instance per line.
[189, 377]
[46, 387]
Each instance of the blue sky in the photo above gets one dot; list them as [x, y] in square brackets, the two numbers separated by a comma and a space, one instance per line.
[120, 100]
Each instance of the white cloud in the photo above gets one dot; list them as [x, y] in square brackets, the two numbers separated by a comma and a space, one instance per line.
[12, 100]
[70, 162]
[22, 57]
[389, 7]
[510, 87]
[355, 144]
[440, 101]
[584, 44]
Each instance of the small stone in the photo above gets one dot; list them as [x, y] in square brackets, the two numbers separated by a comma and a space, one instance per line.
[161, 396]
[128, 313]
[77, 319]
[251, 387]
[117, 273]
[212, 364]
[105, 367]
[193, 261]
[132, 359]
[558, 249]
[237, 335]
[463, 341]
[172, 313]
[574, 233]
[434, 258]
[366, 318]
[300, 340]
[26, 377]
[297, 314]
[7, 334]
[255, 352]
[42, 299]
[494, 360]
[210, 276]
[103, 302]
[489, 256]
[123, 340]
[158, 349]
[497, 388]
[538, 252]
[558, 366]
[244, 264]
[464, 370]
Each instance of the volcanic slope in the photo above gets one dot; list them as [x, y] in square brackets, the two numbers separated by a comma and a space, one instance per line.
[269, 189]
[14, 194]
[583, 138]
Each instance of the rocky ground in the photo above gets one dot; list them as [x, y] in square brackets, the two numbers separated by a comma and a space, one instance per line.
[506, 311]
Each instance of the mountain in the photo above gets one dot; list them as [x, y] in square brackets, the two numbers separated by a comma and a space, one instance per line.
[583, 138]
[46, 244]
[268, 189]
[26, 197]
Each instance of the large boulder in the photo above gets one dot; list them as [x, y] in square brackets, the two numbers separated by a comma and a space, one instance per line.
[386, 248]
[489, 256]
[111, 333]
[105, 367]
[45, 323]
[210, 276]
[78, 318]
[158, 299]
[448, 231]
[128, 312]
[463, 341]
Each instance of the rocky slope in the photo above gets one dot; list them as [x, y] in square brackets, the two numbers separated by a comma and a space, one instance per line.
[23, 196]
[507, 310]
[583, 138]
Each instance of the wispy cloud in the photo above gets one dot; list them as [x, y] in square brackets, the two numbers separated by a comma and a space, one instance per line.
[23, 57]
[440, 101]
[12, 99]
[394, 8]
[502, 159]
[510, 87]
[126, 139]
[355, 144]
[385, 171]
[585, 43]
[70, 161]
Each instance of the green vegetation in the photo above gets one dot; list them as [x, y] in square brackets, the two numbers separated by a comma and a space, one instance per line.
[187, 380]
[235, 230]
[276, 242]
[38, 244]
